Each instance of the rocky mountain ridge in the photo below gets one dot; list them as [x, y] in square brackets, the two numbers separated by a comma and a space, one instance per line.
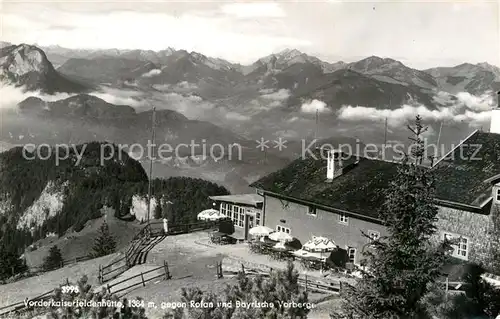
[28, 66]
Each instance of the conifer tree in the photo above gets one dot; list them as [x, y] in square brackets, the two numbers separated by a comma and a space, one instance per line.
[10, 263]
[406, 261]
[104, 244]
[53, 260]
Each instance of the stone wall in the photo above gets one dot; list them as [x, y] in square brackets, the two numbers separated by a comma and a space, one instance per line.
[475, 227]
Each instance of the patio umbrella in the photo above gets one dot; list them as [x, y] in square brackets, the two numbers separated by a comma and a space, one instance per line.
[321, 244]
[260, 231]
[279, 245]
[206, 213]
[215, 216]
[280, 236]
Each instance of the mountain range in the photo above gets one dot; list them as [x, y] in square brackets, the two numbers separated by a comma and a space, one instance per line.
[473, 78]
[383, 81]
[220, 102]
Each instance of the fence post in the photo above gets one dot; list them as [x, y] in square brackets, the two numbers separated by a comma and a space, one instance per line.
[99, 276]
[219, 269]
[142, 277]
[167, 272]
[242, 268]
[340, 287]
[109, 288]
[447, 287]
[306, 282]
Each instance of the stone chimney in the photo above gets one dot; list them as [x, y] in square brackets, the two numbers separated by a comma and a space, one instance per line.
[334, 164]
[495, 116]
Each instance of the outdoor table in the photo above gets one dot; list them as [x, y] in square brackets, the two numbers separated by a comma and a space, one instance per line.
[311, 263]
[217, 237]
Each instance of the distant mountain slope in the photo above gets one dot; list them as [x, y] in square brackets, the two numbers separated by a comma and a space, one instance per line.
[472, 78]
[28, 66]
[106, 69]
[84, 114]
[194, 67]
[59, 55]
[347, 87]
[286, 58]
[76, 107]
[389, 70]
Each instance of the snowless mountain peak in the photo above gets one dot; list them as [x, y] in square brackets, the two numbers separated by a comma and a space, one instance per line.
[290, 53]
[23, 59]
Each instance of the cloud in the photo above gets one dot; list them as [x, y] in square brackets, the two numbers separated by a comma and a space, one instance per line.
[254, 10]
[313, 106]
[186, 85]
[151, 73]
[476, 103]
[161, 87]
[213, 33]
[280, 95]
[10, 96]
[237, 116]
[192, 106]
[461, 108]
[120, 97]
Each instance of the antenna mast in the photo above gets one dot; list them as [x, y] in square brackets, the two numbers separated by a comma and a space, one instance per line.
[385, 133]
[438, 153]
[151, 161]
[316, 129]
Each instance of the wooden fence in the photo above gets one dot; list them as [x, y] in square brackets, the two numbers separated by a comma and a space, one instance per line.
[310, 283]
[165, 275]
[145, 238]
[142, 242]
[19, 306]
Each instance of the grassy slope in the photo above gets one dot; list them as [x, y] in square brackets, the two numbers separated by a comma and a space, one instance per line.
[34, 286]
[74, 244]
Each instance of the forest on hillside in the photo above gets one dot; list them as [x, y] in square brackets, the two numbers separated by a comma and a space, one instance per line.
[85, 189]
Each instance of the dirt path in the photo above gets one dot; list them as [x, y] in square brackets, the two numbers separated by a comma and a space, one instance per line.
[192, 259]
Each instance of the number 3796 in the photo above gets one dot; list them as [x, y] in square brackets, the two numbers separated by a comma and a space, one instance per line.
[70, 289]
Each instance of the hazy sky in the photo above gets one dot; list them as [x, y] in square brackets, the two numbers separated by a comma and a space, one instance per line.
[421, 34]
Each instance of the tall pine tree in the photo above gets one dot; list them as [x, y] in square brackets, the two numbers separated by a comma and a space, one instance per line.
[406, 261]
[104, 244]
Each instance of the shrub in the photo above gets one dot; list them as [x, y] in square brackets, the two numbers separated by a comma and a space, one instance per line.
[53, 260]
